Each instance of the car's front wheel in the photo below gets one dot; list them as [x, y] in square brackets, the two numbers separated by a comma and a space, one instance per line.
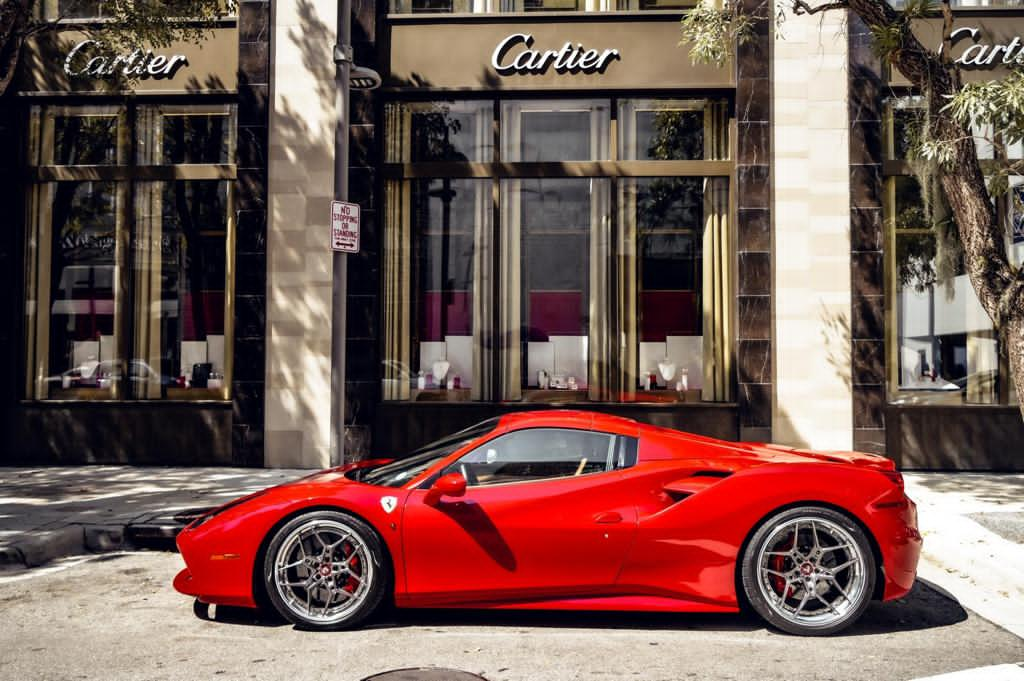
[809, 571]
[325, 570]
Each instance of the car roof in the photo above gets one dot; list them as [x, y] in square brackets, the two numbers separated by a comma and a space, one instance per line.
[570, 418]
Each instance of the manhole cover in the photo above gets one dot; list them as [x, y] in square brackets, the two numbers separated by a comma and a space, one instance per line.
[425, 674]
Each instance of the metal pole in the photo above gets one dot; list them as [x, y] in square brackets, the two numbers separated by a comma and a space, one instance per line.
[343, 61]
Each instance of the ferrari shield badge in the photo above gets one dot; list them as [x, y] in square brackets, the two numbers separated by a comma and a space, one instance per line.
[389, 503]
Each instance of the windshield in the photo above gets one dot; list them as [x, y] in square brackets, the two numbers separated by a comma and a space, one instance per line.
[399, 472]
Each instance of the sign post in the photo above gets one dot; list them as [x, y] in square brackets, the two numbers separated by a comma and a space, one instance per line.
[344, 218]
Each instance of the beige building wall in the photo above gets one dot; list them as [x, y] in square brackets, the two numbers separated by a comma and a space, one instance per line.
[300, 187]
[813, 400]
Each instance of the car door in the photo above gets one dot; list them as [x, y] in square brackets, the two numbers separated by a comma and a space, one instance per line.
[543, 516]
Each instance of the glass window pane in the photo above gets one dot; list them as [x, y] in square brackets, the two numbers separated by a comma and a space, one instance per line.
[540, 454]
[430, 6]
[546, 130]
[906, 125]
[673, 129]
[83, 358]
[202, 138]
[180, 280]
[433, 350]
[551, 5]
[666, 217]
[85, 140]
[440, 131]
[172, 135]
[81, 9]
[947, 349]
[556, 220]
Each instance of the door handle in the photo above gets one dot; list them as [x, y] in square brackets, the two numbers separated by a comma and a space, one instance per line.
[608, 517]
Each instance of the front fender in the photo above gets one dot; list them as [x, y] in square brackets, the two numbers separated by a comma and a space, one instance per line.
[221, 553]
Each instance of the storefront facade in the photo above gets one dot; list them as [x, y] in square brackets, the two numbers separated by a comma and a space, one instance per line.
[136, 218]
[558, 209]
[558, 203]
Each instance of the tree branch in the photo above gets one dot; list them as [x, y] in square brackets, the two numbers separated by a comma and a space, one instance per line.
[801, 7]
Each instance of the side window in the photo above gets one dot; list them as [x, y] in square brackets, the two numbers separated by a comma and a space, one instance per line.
[543, 453]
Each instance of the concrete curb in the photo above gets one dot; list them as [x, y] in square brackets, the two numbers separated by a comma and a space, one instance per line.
[29, 551]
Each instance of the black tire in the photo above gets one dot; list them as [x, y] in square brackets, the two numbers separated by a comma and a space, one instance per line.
[367, 555]
[793, 576]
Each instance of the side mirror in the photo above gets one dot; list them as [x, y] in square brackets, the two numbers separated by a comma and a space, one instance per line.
[451, 485]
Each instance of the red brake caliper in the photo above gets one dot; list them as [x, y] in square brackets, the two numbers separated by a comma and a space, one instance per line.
[778, 564]
[353, 566]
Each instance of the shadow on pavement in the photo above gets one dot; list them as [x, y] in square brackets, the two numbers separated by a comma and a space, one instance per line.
[925, 607]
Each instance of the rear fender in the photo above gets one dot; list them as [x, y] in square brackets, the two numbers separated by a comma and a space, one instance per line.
[689, 548]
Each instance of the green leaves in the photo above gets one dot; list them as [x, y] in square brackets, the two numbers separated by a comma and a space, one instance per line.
[711, 29]
[999, 103]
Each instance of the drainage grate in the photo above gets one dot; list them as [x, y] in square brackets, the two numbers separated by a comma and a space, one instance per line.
[425, 674]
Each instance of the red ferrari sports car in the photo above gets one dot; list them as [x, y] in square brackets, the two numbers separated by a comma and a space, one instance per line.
[568, 510]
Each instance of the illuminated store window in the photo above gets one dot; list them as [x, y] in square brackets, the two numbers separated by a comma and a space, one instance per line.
[548, 228]
[128, 279]
[547, 276]
[441, 228]
[179, 275]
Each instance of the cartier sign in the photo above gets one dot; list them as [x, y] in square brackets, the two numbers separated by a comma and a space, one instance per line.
[987, 54]
[83, 60]
[516, 55]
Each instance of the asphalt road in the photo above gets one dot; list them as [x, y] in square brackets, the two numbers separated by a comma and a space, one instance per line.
[117, 617]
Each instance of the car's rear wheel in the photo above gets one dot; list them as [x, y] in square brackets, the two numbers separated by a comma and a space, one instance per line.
[325, 570]
[809, 571]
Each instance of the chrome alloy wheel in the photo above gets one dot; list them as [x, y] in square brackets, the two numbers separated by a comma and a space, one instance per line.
[323, 571]
[811, 572]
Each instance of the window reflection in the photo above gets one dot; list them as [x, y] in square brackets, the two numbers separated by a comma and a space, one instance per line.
[551, 5]
[180, 260]
[947, 347]
[179, 135]
[444, 223]
[435, 308]
[669, 220]
[81, 9]
[556, 219]
[440, 131]
[127, 299]
[196, 139]
[673, 130]
[85, 140]
[83, 354]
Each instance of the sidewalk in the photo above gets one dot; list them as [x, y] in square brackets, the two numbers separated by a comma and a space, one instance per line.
[973, 523]
[47, 513]
[973, 528]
